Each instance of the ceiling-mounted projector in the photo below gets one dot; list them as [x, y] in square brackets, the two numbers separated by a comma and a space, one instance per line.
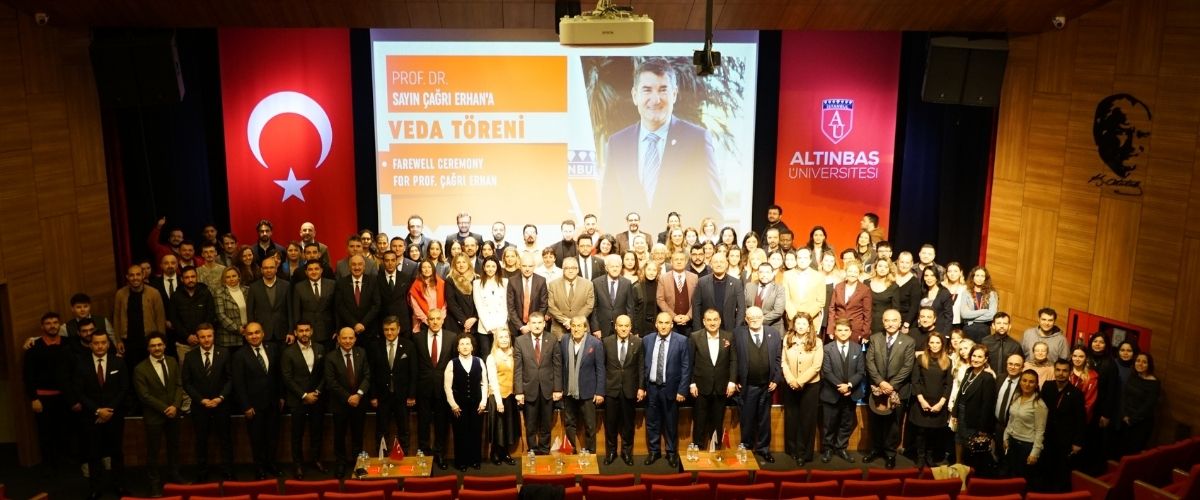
[607, 25]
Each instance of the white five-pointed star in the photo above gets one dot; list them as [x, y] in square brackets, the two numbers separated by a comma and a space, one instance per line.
[291, 186]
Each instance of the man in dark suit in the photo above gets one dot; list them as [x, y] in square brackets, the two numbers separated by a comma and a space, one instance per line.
[842, 373]
[768, 296]
[463, 221]
[347, 380]
[583, 382]
[566, 246]
[661, 162]
[393, 392]
[590, 266]
[415, 235]
[395, 278]
[889, 365]
[312, 302]
[714, 366]
[614, 297]
[256, 391]
[537, 381]
[269, 304]
[100, 384]
[526, 294]
[156, 382]
[167, 279]
[303, 379]
[719, 291]
[623, 372]
[357, 302]
[759, 351]
[668, 371]
[207, 381]
[434, 348]
[1064, 429]
[312, 252]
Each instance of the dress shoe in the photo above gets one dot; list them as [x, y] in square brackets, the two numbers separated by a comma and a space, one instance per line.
[495, 460]
[845, 456]
[298, 472]
[509, 460]
[673, 460]
[320, 467]
[870, 457]
[260, 474]
[651, 458]
[800, 462]
[227, 475]
[475, 466]
[767, 457]
[627, 458]
[890, 463]
[610, 458]
[826, 456]
[441, 462]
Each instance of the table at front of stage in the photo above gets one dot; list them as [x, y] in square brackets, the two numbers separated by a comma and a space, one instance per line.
[708, 462]
[405, 467]
[546, 465]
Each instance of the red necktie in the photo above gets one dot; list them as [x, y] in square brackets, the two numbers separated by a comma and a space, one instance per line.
[357, 293]
[350, 377]
[759, 298]
[100, 372]
[433, 353]
[537, 349]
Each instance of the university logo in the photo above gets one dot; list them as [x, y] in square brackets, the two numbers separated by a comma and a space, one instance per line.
[289, 102]
[837, 118]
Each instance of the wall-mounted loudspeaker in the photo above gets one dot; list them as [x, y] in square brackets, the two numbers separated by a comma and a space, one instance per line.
[962, 71]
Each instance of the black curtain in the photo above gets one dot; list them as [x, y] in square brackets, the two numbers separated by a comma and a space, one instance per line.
[170, 158]
[766, 127]
[943, 155]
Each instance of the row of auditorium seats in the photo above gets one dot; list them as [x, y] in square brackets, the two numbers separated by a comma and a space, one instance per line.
[1154, 468]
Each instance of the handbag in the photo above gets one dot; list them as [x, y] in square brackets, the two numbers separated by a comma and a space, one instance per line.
[981, 442]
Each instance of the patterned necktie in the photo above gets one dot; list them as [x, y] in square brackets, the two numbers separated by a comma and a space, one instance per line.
[537, 349]
[612, 292]
[357, 293]
[757, 340]
[662, 360]
[650, 164]
[207, 364]
[261, 362]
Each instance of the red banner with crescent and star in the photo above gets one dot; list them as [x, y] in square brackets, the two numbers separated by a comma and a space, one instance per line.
[289, 137]
[837, 130]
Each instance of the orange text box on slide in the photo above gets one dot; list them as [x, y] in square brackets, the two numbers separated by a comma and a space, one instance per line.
[505, 181]
[430, 84]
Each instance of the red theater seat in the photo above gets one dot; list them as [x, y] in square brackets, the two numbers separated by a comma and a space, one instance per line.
[358, 486]
[925, 487]
[1074, 495]
[632, 492]
[995, 487]
[218, 497]
[504, 494]
[1118, 484]
[489, 483]
[361, 495]
[187, 491]
[422, 495]
[793, 490]
[1011, 496]
[852, 487]
[292, 486]
[439, 483]
[781, 476]
[252, 488]
[876, 473]
[1186, 488]
[680, 479]
[673, 492]
[564, 480]
[922, 497]
[612, 481]
[817, 476]
[298, 496]
[714, 478]
[744, 491]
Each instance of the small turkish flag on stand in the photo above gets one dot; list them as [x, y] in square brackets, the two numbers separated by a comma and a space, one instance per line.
[566, 449]
[397, 450]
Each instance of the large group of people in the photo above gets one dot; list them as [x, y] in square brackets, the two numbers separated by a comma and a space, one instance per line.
[486, 338]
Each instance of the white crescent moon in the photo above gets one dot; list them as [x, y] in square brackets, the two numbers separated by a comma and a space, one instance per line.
[288, 102]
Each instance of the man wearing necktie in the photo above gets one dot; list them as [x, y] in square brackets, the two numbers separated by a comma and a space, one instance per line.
[842, 373]
[206, 380]
[661, 163]
[357, 299]
[537, 381]
[394, 365]
[667, 372]
[623, 371]
[256, 393]
[312, 301]
[347, 381]
[889, 364]
[395, 278]
[614, 297]
[760, 371]
[569, 297]
[156, 382]
[1006, 388]
[100, 383]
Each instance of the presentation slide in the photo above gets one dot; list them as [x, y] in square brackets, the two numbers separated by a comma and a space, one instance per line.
[532, 132]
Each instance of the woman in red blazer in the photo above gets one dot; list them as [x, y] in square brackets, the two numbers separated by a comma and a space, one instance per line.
[852, 300]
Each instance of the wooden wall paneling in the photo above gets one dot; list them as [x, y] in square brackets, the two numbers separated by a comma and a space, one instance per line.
[53, 174]
[1178, 53]
[1004, 235]
[1044, 154]
[1035, 259]
[1108, 14]
[14, 127]
[424, 14]
[1055, 60]
[1093, 59]
[63, 267]
[543, 14]
[797, 13]
[1182, 348]
[843, 14]
[1112, 268]
[1184, 13]
[669, 16]
[1013, 124]
[83, 111]
[518, 14]
[1022, 51]
[38, 56]
[471, 15]
[1141, 35]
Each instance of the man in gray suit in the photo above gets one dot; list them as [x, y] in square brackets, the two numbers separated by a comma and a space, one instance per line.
[312, 302]
[614, 297]
[720, 291]
[537, 381]
[156, 381]
[269, 304]
[583, 381]
[623, 373]
[889, 364]
[768, 296]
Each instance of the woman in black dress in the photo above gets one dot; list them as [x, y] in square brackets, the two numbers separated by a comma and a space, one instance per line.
[646, 300]
[884, 292]
[937, 297]
[931, 385]
[1137, 407]
[465, 383]
[461, 314]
